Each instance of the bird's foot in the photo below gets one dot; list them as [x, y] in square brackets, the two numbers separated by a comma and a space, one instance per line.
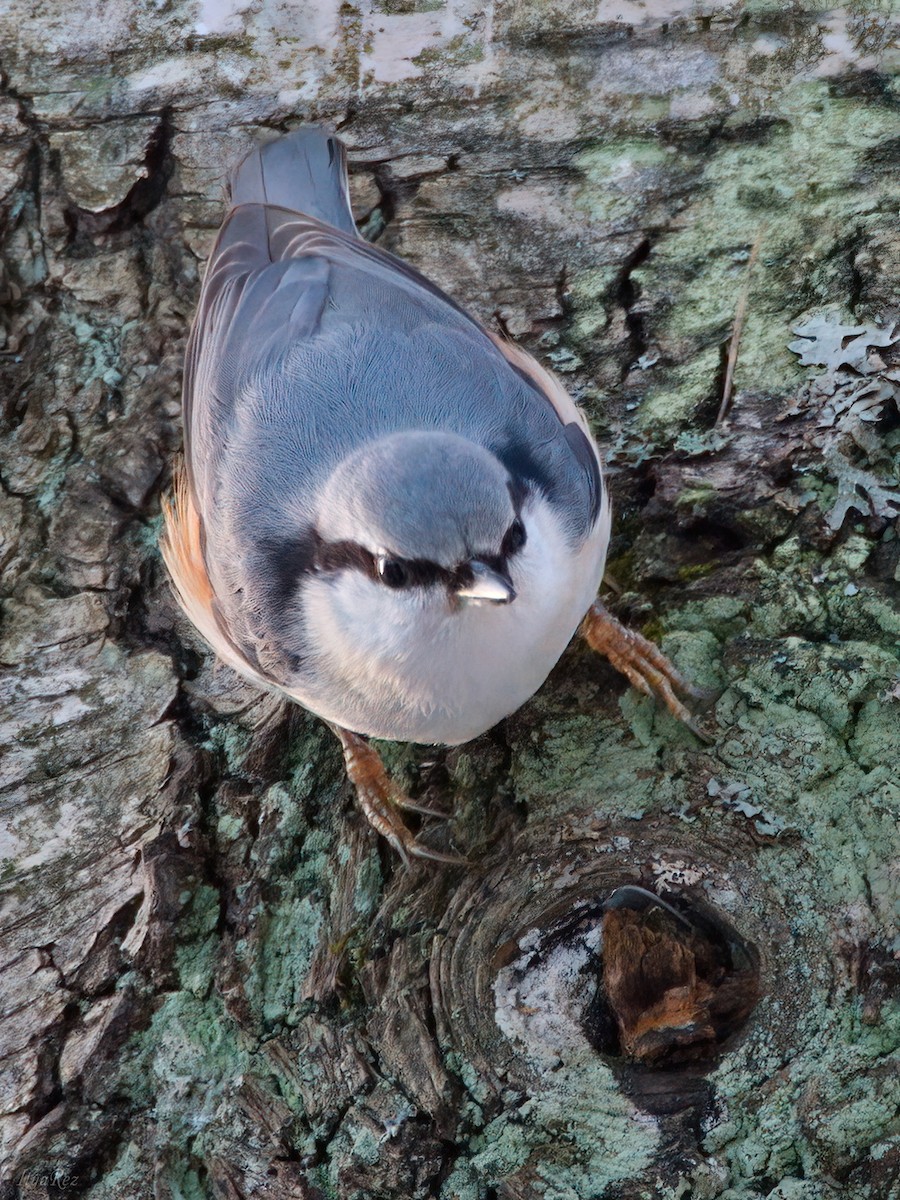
[643, 664]
[381, 801]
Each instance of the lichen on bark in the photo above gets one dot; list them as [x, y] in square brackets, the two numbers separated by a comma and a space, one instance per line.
[215, 981]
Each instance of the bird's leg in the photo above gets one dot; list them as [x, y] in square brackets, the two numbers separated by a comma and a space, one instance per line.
[643, 664]
[381, 800]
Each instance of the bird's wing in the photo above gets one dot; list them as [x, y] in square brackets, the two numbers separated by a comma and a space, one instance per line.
[182, 550]
[286, 295]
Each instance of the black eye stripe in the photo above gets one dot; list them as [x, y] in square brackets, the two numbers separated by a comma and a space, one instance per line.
[287, 561]
[514, 539]
[336, 556]
[404, 572]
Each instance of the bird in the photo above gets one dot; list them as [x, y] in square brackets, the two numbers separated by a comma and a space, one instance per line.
[385, 510]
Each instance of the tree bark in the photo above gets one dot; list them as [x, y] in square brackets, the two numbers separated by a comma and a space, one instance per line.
[215, 980]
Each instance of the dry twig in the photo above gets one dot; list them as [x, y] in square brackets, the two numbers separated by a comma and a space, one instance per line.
[737, 329]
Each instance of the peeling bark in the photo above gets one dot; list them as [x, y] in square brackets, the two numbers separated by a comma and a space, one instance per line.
[215, 981]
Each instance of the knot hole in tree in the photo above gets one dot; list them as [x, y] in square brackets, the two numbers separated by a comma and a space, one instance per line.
[600, 962]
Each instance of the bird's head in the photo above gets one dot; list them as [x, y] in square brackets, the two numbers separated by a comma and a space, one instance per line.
[430, 593]
[428, 518]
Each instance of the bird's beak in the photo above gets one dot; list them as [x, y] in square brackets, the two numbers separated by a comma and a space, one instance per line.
[488, 584]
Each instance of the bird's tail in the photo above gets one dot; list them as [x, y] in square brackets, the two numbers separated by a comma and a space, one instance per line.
[306, 171]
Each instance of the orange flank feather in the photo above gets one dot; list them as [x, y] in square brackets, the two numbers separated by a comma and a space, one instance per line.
[182, 553]
[182, 550]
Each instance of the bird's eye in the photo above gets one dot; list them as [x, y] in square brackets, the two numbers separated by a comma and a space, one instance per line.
[515, 538]
[394, 572]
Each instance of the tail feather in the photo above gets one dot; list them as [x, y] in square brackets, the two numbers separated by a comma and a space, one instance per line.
[305, 171]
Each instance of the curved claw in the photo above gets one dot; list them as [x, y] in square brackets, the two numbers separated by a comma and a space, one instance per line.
[408, 805]
[420, 850]
[643, 664]
[380, 801]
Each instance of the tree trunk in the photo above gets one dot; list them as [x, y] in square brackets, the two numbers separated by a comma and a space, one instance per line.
[216, 981]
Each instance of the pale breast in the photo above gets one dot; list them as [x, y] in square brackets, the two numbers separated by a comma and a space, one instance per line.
[408, 669]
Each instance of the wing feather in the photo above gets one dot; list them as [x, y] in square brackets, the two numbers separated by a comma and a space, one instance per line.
[182, 550]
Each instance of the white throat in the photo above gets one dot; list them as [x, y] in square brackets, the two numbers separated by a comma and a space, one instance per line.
[409, 667]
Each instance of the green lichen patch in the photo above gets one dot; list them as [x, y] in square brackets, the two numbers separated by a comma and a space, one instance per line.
[794, 188]
[196, 957]
[186, 1069]
[287, 936]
